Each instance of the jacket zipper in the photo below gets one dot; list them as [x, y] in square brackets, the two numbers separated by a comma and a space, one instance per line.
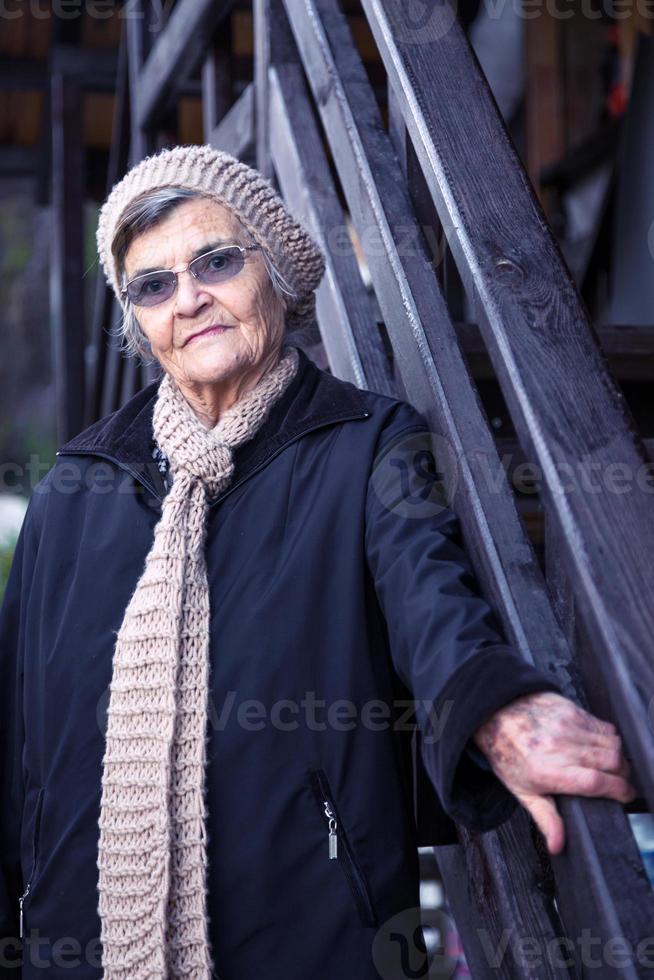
[340, 848]
[35, 853]
[148, 486]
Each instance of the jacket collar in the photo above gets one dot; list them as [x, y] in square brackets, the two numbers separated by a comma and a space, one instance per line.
[313, 398]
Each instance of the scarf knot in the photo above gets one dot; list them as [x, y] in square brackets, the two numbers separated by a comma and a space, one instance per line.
[152, 857]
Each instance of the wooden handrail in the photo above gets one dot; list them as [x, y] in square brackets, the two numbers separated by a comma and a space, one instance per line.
[436, 380]
[355, 351]
[175, 54]
[545, 353]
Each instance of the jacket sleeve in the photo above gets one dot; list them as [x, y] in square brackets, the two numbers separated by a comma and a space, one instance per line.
[12, 627]
[445, 640]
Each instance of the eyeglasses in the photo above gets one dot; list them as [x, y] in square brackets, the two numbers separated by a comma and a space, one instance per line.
[213, 267]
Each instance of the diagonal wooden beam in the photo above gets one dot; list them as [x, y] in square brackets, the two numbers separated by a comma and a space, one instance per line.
[345, 312]
[175, 55]
[434, 374]
[235, 131]
[546, 354]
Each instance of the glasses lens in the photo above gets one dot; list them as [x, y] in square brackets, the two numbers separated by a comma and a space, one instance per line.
[152, 289]
[219, 265]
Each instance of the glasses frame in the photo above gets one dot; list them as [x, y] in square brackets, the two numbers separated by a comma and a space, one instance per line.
[183, 268]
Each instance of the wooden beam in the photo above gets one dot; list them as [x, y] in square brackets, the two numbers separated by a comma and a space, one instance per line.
[273, 45]
[428, 355]
[508, 884]
[94, 69]
[216, 82]
[629, 350]
[175, 55]
[141, 142]
[235, 132]
[345, 314]
[98, 397]
[546, 355]
[67, 256]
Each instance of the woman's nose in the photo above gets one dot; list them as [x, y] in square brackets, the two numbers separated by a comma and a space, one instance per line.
[191, 294]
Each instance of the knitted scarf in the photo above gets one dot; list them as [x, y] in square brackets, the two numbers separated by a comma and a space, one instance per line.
[152, 850]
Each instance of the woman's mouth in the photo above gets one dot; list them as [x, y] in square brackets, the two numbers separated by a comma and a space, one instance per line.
[215, 328]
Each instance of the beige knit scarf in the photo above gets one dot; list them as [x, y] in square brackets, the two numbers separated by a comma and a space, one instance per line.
[152, 850]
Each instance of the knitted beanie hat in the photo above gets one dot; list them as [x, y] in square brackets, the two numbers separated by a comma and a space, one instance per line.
[244, 191]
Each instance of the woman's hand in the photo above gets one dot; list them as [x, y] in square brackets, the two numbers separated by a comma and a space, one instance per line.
[544, 743]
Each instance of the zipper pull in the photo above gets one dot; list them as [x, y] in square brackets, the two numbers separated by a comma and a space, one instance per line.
[333, 837]
[20, 906]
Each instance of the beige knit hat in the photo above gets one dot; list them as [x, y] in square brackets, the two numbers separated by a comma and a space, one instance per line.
[242, 189]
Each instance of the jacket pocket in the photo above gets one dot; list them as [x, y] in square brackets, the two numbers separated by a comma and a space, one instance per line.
[35, 857]
[338, 847]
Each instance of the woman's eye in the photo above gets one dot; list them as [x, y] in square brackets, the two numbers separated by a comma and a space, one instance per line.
[153, 286]
[218, 261]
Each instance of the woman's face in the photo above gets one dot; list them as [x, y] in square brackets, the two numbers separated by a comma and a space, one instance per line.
[247, 303]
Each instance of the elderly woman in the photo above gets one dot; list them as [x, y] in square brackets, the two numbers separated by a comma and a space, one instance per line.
[227, 600]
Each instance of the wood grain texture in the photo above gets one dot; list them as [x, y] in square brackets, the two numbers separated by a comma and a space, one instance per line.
[175, 54]
[345, 315]
[564, 403]
[436, 380]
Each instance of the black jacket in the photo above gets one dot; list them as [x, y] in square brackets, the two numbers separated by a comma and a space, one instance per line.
[341, 598]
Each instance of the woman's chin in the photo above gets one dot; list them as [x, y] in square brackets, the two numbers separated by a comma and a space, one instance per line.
[212, 360]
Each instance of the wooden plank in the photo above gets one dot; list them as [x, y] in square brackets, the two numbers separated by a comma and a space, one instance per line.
[141, 142]
[510, 886]
[433, 372]
[468, 918]
[416, 318]
[93, 68]
[273, 45]
[513, 457]
[235, 132]
[216, 82]
[629, 350]
[67, 255]
[605, 834]
[430, 224]
[545, 353]
[261, 13]
[175, 55]
[345, 314]
[508, 881]
[104, 296]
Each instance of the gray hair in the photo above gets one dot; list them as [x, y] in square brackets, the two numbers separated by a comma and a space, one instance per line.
[146, 212]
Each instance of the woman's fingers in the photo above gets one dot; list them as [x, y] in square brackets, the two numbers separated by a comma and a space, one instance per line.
[608, 758]
[547, 818]
[577, 780]
[572, 780]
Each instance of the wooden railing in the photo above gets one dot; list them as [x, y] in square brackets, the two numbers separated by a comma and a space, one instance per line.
[446, 164]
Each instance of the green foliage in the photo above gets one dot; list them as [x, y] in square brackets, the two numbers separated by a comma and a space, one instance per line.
[6, 554]
[40, 442]
[15, 235]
